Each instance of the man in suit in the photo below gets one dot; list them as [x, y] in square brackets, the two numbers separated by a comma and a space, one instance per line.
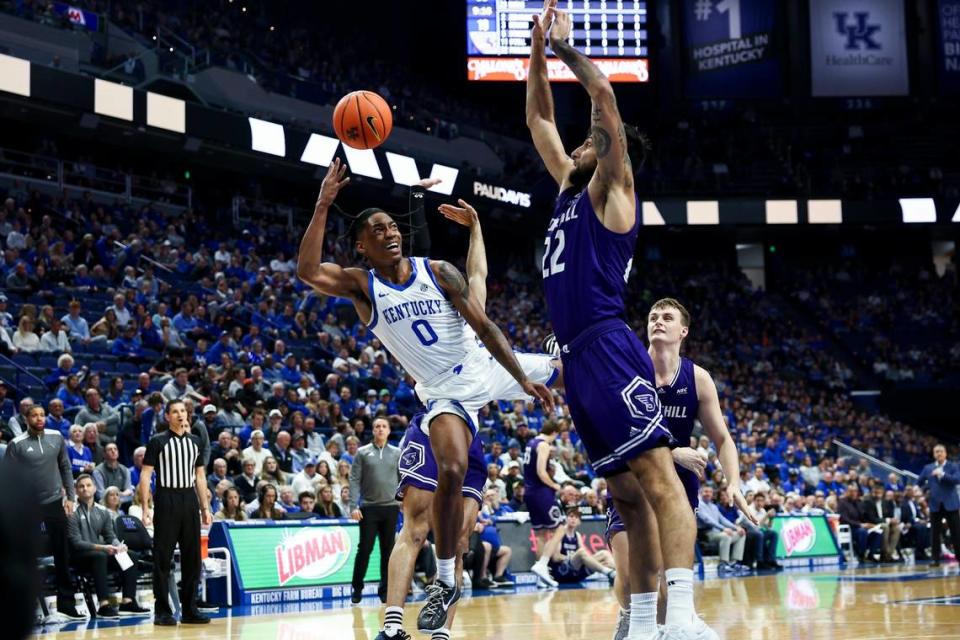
[849, 509]
[916, 525]
[941, 478]
[884, 533]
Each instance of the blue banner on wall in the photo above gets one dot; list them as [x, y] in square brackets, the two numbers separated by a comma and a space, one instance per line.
[949, 28]
[731, 49]
[77, 16]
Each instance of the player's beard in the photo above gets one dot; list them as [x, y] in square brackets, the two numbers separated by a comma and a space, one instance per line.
[580, 176]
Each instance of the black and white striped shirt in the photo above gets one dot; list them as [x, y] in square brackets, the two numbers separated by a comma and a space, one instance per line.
[175, 459]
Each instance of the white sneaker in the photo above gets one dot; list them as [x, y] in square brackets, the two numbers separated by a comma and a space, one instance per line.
[543, 572]
[698, 630]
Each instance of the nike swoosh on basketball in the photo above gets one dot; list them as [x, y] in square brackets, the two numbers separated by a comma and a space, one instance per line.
[371, 122]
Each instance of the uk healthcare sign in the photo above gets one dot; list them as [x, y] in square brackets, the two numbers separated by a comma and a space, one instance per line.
[731, 48]
[858, 48]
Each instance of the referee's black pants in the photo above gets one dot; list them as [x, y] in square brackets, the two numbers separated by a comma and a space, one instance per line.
[54, 520]
[176, 519]
[936, 525]
[378, 523]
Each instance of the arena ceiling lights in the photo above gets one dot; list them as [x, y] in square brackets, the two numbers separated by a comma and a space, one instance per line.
[917, 210]
[14, 75]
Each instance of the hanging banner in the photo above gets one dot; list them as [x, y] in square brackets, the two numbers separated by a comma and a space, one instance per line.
[858, 48]
[731, 48]
[948, 13]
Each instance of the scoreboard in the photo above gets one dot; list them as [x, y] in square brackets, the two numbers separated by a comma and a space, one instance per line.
[613, 33]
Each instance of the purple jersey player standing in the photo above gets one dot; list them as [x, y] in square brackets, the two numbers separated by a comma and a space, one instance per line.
[608, 372]
[541, 496]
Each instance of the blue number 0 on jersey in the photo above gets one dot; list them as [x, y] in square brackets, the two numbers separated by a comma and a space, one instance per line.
[424, 332]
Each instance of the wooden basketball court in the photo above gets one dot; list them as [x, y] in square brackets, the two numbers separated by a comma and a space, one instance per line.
[885, 603]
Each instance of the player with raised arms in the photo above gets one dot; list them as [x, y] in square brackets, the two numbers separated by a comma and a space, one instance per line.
[420, 310]
[609, 376]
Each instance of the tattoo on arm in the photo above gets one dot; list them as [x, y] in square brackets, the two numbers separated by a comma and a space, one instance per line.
[452, 277]
[601, 141]
[587, 72]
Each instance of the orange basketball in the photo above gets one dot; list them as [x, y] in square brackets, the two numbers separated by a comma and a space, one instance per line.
[362, 120]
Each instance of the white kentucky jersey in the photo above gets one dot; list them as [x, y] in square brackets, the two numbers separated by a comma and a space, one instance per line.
[418, 324]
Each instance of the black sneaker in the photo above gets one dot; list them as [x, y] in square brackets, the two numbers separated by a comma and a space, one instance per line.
[356, 597]
[550, 346]
[440, 598]
[132, 609]
[69, 612]
[502, 581]
[399, 635]
[207, 607]
[194, 617]
[107, 611]
[485, 583]
[164, 620]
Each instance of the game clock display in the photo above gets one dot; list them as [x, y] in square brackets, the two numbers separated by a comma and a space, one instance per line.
[612, 32]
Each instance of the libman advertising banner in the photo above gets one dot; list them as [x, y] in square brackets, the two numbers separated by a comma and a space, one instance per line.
[731, 48]
[804, 537]
[858, 48]
[948, 23]
[297, 555]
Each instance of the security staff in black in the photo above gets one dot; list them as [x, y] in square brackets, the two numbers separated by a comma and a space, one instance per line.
[180, 502]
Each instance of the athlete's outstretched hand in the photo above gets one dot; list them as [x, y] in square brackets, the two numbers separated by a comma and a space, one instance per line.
[691, 459]
[741, 502]
[464, 214]
[541, 392]
[335, 180]
[562, 25]
[543, 22]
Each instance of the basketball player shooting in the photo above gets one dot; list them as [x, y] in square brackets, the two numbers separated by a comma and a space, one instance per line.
[418, 308]
[609, 376]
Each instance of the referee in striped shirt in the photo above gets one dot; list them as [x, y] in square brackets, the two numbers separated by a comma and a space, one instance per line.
[180, 501]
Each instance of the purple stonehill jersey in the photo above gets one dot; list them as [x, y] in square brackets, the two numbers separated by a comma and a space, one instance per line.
[680, 403]
[531, 480]
[680, 408]
[585, 266]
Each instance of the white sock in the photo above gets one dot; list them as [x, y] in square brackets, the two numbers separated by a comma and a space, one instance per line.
[446, 571]
[643, 615]
[392, 620]
[541, 562]
[441, 634]
[680, 610]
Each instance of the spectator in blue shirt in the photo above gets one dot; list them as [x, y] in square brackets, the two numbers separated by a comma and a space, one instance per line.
[828, 484]
[186, 324]
[290, 371]
[128, 345]
[389, 404]
[81, 457]
[78, 329]
[70, 393]
[772, 455]
[150, 417]
[55, 419]
[7, 407]
[64, 368]
[894, 483]
[794, 483]
[220, 347]
[347, 404]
